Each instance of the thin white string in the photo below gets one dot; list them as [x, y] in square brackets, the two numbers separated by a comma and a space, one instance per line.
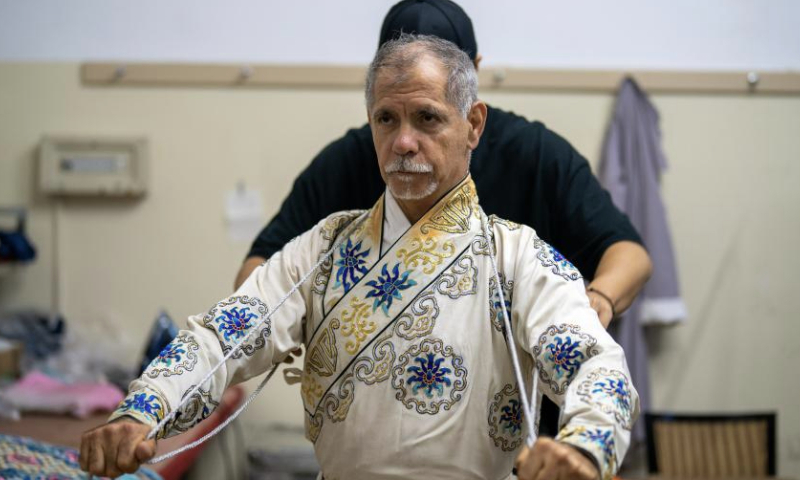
[221, 425]
[239, 345]
[534, 384]
[527, 411]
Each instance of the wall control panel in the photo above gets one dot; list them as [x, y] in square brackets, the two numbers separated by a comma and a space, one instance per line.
[93, 166]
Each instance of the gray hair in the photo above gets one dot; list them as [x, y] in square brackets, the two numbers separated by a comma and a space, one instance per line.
[402, 53]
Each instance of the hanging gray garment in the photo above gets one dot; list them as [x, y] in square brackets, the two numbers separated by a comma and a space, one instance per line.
[630, 169]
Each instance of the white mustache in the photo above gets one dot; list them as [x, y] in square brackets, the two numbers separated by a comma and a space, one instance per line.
[405, 165]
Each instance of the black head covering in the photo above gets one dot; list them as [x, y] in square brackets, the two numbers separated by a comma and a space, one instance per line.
[440, 18]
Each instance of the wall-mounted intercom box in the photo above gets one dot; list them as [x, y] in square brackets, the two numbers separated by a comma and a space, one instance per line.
[87, 166]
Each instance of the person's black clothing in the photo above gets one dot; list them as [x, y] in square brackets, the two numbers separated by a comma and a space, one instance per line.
[522, 171]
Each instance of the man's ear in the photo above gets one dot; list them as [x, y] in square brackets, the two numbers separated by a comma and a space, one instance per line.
[477, 121]
[477, 61]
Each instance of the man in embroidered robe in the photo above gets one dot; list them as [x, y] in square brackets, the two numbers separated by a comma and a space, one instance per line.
[407, 372]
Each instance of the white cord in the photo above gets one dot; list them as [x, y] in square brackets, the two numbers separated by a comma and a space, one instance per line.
[221, 425]
[237, 347]
[527, 410]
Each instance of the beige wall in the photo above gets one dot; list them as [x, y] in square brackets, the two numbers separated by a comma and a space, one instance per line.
[731, 193]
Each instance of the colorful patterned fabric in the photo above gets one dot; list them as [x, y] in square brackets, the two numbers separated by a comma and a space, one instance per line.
[406, 356]
[27, 459]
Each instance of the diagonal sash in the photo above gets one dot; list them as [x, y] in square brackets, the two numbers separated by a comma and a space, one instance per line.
[365, 300]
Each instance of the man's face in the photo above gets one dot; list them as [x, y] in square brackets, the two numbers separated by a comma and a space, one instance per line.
[422, 141]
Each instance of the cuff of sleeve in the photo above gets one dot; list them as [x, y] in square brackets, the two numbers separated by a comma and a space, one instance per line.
[596, 443]
[145, 406]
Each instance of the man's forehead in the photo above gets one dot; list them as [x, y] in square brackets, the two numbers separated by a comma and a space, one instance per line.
[427, 77]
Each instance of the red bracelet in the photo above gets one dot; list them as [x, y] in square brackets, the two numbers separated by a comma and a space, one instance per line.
[607, 298]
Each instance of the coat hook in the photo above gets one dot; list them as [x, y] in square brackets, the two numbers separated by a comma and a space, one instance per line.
[245, 73]
[752, 80]
[498, 77]
[119, 73]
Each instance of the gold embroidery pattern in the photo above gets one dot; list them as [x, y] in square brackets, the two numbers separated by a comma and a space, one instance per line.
[423, 252]
[322, 356]
[460, 279]
[336, 406]
[420, 320]
[506, 223]
[336, 223]
[313, 427]
[376, 369]
[454, 215]
[311, 390]
[356, 323]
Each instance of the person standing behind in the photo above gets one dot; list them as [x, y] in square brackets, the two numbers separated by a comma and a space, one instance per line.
[523, 172]
[527, 174]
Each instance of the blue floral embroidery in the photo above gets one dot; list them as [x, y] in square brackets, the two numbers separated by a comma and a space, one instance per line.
[599, 442]
[505, 419]
[560, 352]
[511, 419]
[436, 383]
[172, 352]
[553, 259]
[499, 313]
[197, 409]
[615, 389]
[429, 376]
[495, 312]
[143, 403]
[388, 287]
[351, 264]
[610, 392]
[560, 259]
[235, 322]
[565, 356]
[179, 356]
[604, 440]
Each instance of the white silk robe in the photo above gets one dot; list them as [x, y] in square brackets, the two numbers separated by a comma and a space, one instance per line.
[407, 373]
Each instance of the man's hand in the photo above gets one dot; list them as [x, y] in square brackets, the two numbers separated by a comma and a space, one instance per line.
[552, 460]
[116, 448]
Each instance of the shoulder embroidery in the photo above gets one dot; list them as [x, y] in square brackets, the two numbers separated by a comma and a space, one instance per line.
[558, 264]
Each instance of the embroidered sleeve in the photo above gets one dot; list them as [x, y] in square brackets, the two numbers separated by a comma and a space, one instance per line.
[578, 365]
[242, 324]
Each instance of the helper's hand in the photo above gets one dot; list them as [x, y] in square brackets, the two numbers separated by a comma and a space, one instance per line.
[116, 448]
[552, 460]
[602, 306]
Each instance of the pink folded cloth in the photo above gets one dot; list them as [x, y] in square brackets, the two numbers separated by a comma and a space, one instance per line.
[41, 393]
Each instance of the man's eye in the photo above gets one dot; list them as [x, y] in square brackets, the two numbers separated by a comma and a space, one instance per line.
[384, 119]
[428, 117]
